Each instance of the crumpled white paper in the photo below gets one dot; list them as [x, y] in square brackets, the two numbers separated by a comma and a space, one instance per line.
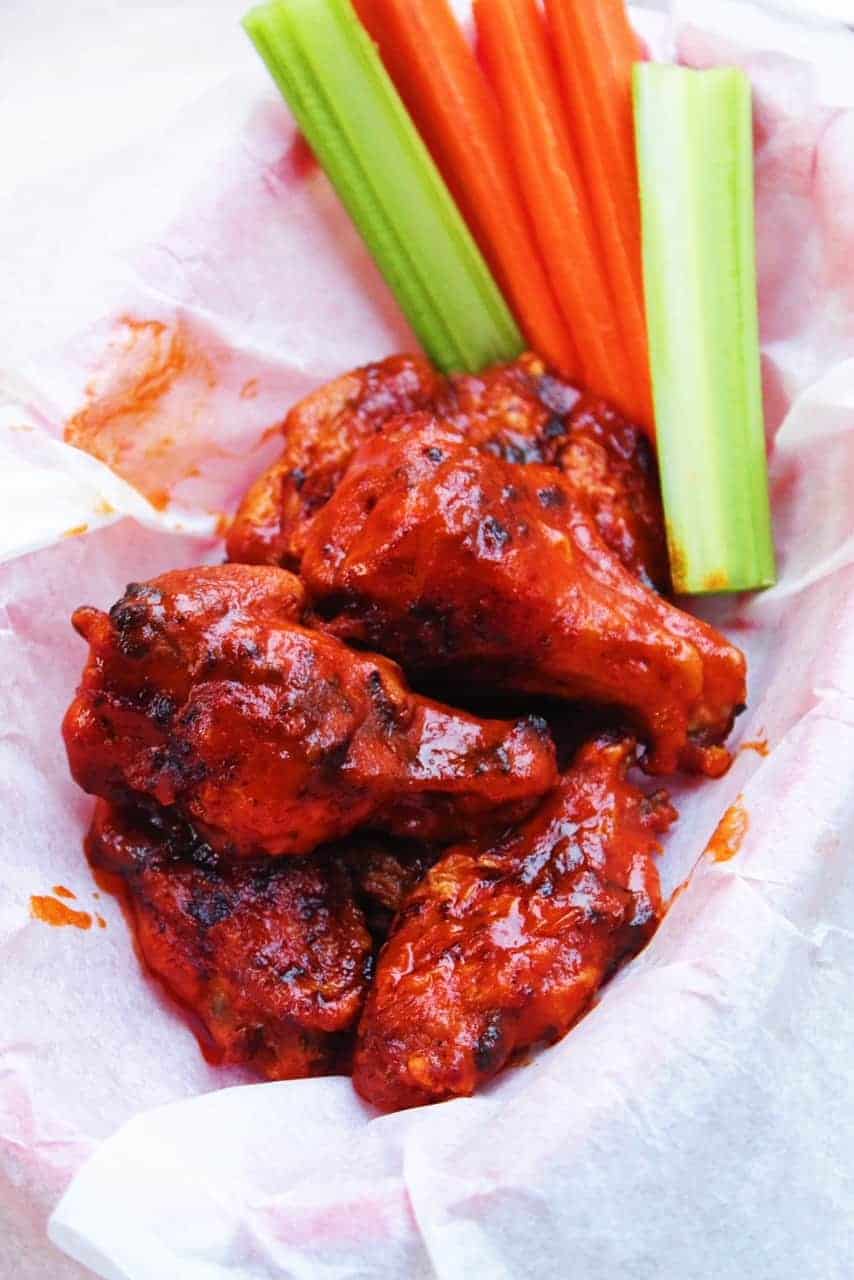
[700, 1120]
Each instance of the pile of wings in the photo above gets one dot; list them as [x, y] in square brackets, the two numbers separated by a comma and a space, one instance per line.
[367, 785]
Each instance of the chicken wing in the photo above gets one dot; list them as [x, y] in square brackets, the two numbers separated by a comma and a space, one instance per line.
[200, 694]
[459, 564]
[503, 945]
[273, 958]
[321, 434]
[518, 412]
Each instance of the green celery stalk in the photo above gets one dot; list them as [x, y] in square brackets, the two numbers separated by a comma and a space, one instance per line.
[695, 159]
[331, 75]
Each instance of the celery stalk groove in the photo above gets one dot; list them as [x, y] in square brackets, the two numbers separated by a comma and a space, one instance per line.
[695, 160]
[330, 74]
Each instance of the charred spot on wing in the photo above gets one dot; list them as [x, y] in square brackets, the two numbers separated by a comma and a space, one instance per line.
[162, 709]
[493, 536]
[133, 617]
[551, 497]
[178, 759]
[291, 975]
[554, 428]
[297, 477]
[386, 711]
[489, 1050]
[209, 909]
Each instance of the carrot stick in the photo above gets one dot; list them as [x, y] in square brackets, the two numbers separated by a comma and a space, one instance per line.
[596, 49]
[435, 71]
[520, 65]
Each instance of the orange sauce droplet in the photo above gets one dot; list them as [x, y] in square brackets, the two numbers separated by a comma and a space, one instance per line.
[52, 911]
[249, 390]
[102, 924]
[61, 891]
[76, 530]
[159, 499]
[759, 745]
[729, 833]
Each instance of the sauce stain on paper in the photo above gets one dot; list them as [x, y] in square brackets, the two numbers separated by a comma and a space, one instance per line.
[729, 833]
[59, 914]
[146, 409]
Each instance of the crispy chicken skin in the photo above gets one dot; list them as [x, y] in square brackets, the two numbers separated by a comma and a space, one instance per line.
[200, 694]
[518, 412]
[321, 434]
[504, 944]
[274, 958]
[521, 413]
[460, 564]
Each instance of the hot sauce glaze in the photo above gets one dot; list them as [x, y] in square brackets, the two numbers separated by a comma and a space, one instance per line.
[52, 911]
[729, 833]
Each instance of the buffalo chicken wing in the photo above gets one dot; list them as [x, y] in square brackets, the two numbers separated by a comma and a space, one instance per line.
[272, 957]
[460, 564]
[504, 944]
[200, 694]
[518, 412]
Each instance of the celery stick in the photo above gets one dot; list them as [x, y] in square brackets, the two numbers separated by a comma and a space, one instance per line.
[330, 73]
[695, 158]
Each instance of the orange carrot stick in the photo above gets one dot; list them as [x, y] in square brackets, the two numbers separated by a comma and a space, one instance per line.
[596, 49]
[435, 71]
[520, 64]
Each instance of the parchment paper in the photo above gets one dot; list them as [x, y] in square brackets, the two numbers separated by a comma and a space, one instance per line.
[166, 242]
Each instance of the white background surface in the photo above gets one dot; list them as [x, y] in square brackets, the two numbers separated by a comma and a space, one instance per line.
[715, 1140]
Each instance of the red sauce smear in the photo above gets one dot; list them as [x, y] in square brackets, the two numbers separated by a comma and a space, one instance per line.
[729, 833]
[52, 911]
